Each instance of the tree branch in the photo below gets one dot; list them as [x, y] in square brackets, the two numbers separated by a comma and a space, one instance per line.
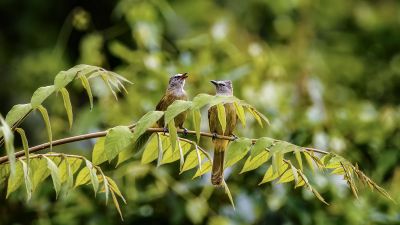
[104, 133]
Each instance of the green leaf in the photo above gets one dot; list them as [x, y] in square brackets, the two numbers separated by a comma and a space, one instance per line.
[287, 176]
[148, 120]
[41, 94]
[228, 192]
[222, 116]
[237, 150]
[219, 99]
[69, 175]
[277, 163]
[98, 153]
[261, 145]
[67, 105]
[17, 113]
[171, 155]
[205, 168]
[117, 139]
[67, 168]
[39, 170]
[150, 151]
[28, 183]
[240, 113]
[160, 149]
[83, 177]
[253, 162]
[255, 115]
[9, 143]
[282, 147]
[270, 175]
[309, 160]
[55, 175]
[4, 172]
[196, 209]
[117, 205]
[192, 160]
[176, 108]
[297, 153]
[24, 140]
[201, 100]
[106, 187]
[46, 119]
[107, 82]
[173, 136]
[15, 180]
[197, 122]
[93, 176]
[115, 189]
[86, 85]
[63, 78]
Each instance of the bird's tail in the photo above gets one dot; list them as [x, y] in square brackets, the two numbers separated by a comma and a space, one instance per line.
[217, 174]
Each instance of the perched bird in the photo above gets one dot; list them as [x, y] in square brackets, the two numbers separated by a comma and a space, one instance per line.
[174, 92]
[223, 87]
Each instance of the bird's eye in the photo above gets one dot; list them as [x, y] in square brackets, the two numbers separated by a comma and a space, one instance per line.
[222, 84]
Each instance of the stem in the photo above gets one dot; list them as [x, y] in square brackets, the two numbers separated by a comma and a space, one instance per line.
[104, 133]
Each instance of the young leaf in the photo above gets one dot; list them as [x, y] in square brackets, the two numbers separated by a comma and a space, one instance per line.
[255, 115]
[271, 175]
[201, 100]
[15, 180]
[148, 120]
[93, 176]
[116, 205]
[261, 145]
[67, 105]
[9, 141]
[297, 153]
[287, 176]
[191, 161]
[69, 175]
[106, 187]
[150, 151]
[38, 167]
[21, 132]
[86, 85]
[17, 113]
[206, 167]
[171, 155]
[228, 192]
[115, 189]
[173, 136]
[309, 160]
[222, 116]
[197, 122]
[277, 163]
[107, 82]
[240, 113]
[175, 109]
[117, 139]
[28, 183]
[236, 151]
[46, 119]
[253, 162]
[55, 175]
[41, 94]
[98, 153]
[63, 78]
[83, 177]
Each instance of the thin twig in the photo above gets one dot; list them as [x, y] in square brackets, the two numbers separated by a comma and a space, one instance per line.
[104, 133]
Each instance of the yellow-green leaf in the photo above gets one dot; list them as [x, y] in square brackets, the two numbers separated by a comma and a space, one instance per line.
[93, 176]
[201, 100]
[115, 188]
[98, 153]
[175, 109]
[192, 160]
[117, 139]
[116, 205]
[17, 113]
[107, 82]
[173, 136]
[55, 175]
[83, 177]
[67, 105]
[236, 151]
[222, 116]
[150, 151]
[197, 122]
[86, 85]
[46, 120]
[297, 153]
[148, 120]
[25, 145]
[287, 176]
[15, 180]
[171, 155]
[240, 113]
[228, 192]
[205, 168]
[253, 162]
[41, 94]
[63, 78]
[28, 183]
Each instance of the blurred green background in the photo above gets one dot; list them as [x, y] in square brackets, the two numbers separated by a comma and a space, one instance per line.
[326, 73]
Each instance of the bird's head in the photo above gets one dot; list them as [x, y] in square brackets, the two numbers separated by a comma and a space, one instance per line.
[177, 82]
[223, 87]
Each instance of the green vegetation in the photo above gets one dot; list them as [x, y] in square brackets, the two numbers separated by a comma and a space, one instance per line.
[326, 75]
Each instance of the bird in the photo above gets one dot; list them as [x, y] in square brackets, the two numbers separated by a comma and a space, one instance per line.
[174, 92]
[222, 87]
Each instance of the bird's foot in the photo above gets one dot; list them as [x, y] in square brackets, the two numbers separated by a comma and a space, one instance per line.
[185, 131]
[165, 130]
[214, 136]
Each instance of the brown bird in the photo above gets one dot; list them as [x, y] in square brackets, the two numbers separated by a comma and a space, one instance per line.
[223, 87]
[174, 92]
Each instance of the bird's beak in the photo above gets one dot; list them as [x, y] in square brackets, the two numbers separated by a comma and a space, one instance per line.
[184, 76]
[214, 82]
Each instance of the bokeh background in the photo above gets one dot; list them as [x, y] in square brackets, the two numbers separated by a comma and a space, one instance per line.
[326, 73]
